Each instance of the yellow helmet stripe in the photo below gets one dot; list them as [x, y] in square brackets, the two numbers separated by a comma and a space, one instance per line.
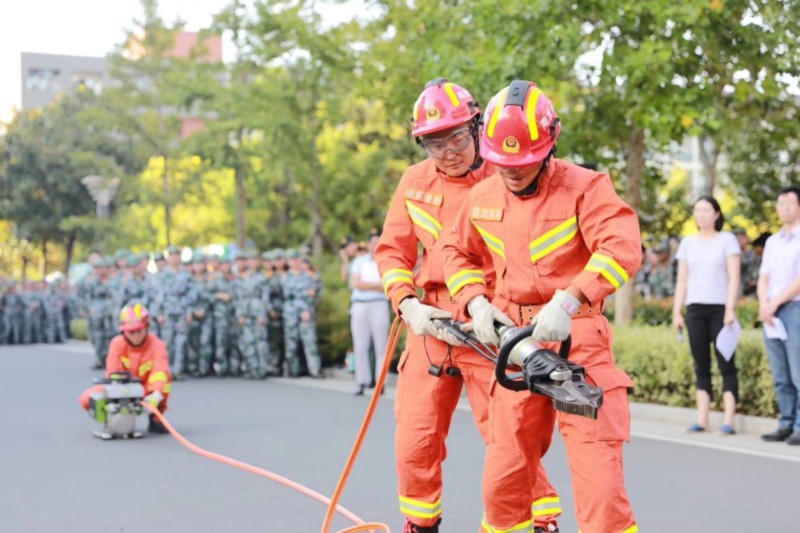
[501, 100]
[448, 88]
[530, 112]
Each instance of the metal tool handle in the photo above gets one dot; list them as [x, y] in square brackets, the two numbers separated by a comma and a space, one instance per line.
[516, 381]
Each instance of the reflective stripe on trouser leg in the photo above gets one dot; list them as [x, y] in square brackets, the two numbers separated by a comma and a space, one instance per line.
[424, 406]
[513, 455]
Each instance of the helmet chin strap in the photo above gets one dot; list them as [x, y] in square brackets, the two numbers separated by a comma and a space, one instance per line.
[474, 128]
[534, 186]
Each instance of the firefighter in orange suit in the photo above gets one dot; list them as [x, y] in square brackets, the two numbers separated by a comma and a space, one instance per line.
[433, 367]
[561, 241]
[144, 355]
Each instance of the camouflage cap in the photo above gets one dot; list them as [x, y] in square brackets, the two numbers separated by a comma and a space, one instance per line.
[172, 250]
[269, 255]
[344, 241]
[279, 253]
[291, 253]
[374, 232]
[121, 254]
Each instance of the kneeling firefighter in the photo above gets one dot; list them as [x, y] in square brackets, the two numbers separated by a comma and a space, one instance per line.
[137, 368]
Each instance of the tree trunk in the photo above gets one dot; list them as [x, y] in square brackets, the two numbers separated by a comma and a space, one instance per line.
[43, 262]
[623, 300]
[70, 250]
[167, 202]
[241, 201]
[709, 162]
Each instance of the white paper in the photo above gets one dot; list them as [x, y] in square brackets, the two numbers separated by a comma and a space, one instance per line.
[728, 339]
[777, 330]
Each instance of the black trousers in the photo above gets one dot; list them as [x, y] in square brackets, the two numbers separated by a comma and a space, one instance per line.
[704, 322]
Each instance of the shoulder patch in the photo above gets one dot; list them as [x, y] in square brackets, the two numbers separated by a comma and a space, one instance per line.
[492, 214]
[425, 197]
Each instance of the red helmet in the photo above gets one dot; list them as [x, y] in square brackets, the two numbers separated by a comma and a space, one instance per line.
[134, 317]
[520, 126]
[442, 105]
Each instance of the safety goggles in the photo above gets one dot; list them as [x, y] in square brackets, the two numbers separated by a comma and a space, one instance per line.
[457, 142]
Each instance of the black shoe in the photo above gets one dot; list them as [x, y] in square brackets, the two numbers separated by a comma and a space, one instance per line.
[98, 366]
[156, 427]
[359, 391]
[794, 438]
[371, 384]
[551, 528]
[410, 527]
[778, 436]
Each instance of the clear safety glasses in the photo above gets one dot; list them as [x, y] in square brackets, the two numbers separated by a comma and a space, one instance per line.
[457, 142]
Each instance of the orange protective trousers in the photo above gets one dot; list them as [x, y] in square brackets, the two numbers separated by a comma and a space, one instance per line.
[424, 408]
[521, 431]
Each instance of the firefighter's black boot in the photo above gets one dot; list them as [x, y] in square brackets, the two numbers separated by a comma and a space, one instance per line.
[410, 527]
[155, 426]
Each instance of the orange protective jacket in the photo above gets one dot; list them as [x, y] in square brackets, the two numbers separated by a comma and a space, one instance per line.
[420, 212]
[574, 230]
[147, 361]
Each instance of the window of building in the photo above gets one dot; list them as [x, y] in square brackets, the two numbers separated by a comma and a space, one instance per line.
[43, 80]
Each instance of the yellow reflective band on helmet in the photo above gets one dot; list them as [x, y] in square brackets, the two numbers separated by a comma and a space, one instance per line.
[464, 277]
[522, 527]
[492, 242]
[633, 529]
[609, 269]
[448, 88]
[416, 107]
[137, 310]
[157, 376]
[167, 388]
[144, 368]
[530, 112]
[126, 363]
[501, 100]
[397, 275]
[549, 506]
[419, 508]
[554, 239]
[423, 219]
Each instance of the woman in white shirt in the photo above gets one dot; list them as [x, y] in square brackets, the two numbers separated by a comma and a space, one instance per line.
[708, 281]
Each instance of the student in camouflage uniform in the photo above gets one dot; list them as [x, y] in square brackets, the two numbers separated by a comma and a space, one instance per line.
[252, 310]
[97, 301]
[176, 296]
[299, 316]
[136, 285]
[275, 322]
[201, 342]
[220, 290]
[55, 301]
[660, 279]
[15, 313]
[32, 328]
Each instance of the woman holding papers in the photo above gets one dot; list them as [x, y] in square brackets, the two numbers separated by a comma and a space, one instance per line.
[708, 281]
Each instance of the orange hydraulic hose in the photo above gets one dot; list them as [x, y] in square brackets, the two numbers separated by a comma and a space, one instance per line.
[333, 506]
[394, 338]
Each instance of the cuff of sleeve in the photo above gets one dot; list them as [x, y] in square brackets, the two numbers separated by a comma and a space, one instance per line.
[593, 288]
[399, 294]
[469, 292]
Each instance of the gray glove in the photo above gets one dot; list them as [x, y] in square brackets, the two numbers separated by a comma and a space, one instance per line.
[419, 317]
[484, 315]
[554, 321]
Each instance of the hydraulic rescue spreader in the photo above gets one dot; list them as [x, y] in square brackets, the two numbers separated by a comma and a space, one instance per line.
[543, 371]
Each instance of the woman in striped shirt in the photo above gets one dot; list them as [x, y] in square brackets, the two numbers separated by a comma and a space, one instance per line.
[708, 281]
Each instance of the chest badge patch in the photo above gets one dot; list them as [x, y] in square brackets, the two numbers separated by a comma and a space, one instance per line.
[491, 214]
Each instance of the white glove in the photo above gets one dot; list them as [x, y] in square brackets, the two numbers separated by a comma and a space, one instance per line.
[484, 315]
[554, 321]
[154, 398]
[419, 317]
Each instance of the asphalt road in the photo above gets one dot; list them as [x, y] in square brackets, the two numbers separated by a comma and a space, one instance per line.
[55, 477]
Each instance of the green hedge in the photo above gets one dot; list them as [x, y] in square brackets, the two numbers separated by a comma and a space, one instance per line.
[79, 329]
[659, 311]
[662, 369]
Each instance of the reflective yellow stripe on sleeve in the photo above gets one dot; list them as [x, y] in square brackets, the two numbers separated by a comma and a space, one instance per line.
[144, 368]
[522, 527]
[419, 508]
[423, 219]
[609, 269]
[464, 277]
[126, 363]
[167, 388]
[157, 376]
[492, 242]
[554, 239]
[397, 275]
[549, 506]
